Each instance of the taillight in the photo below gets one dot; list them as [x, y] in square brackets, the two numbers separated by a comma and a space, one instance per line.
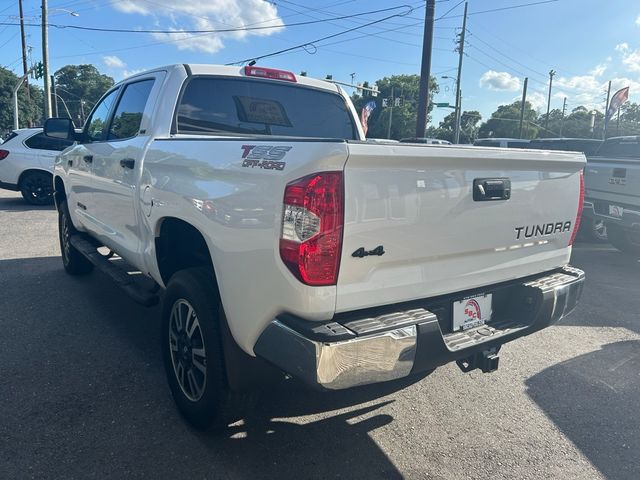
[311, 239]
[4, 154]
[576, 224]
[251, 71]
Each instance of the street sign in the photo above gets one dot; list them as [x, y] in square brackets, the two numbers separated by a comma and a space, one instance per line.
[390, 101]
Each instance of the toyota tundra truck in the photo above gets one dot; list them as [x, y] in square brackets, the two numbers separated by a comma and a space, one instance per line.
[612, 191]
[277, 237]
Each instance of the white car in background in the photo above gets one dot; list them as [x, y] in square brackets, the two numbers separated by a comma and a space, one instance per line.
[26, 164]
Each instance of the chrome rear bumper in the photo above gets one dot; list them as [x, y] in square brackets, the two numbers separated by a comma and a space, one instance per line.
[372, 349]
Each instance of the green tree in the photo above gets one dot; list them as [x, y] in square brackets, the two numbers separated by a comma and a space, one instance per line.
[629, 120]
[403, 123]
[469, 121]
[555, 125]
[505, 122]
[29, 107]
[578, 123]
[80, 86]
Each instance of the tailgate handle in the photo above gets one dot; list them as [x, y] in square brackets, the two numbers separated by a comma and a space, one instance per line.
[488, 189]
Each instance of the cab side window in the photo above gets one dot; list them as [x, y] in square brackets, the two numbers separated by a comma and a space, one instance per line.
[40, 141]
[96, 125]
[128, 116]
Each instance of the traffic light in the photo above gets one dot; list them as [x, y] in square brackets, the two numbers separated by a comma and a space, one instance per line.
[38, 70]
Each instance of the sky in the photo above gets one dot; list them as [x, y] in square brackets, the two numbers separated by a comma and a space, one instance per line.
[586, 42]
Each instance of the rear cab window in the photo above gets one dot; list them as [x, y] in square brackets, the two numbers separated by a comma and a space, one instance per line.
[620, 148]
[239, 106]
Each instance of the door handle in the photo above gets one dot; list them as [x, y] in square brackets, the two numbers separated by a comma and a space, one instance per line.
[127, 163]
[488, 189]
[88, 158]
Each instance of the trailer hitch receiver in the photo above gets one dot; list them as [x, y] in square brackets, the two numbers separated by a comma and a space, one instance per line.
[487, 361]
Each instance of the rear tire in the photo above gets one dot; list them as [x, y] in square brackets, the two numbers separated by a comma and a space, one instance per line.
[627, 241]
[73, 261]
[193, 352]
[36, 188]
[593, 230]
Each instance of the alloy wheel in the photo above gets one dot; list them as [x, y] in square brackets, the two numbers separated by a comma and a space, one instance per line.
[188, 354]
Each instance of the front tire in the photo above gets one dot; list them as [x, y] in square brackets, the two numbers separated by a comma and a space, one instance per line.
[192, 349]
[36, 188]
[73, 261]
[625, 240]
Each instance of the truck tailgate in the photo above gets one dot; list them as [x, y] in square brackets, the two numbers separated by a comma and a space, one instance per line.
[417, 204]
[612, 181]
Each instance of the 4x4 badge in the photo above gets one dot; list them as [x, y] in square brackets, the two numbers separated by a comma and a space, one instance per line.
[361, 252]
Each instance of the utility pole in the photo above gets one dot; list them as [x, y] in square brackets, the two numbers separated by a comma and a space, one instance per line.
[425, 69]
[546, 121]
[606, 107]
[456, 136]
[390, 113]
[45, 61]
[524, 99]
[24, 48]
[564, 107]
[54, 98]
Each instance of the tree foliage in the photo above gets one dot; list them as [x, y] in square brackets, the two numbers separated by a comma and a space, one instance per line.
[581, 122]
[80, 86]
[403, 123]
[505, 122]
[469, 121]
[29, 107]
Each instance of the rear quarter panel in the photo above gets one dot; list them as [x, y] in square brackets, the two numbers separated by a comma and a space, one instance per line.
[238, 210]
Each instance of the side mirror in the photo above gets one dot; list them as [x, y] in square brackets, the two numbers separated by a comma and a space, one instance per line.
[61, 128]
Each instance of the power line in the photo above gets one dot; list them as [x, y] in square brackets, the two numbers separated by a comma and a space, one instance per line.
[509, 67]
[327, 37]
[222, 30]
[504, 8]
[450, 10]
[475, 36]
[326, 12]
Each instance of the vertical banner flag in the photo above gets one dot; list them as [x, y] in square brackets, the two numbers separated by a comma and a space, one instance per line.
[618, 99]
[365, 114]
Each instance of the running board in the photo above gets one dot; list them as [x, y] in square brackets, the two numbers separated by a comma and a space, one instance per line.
[125, 281]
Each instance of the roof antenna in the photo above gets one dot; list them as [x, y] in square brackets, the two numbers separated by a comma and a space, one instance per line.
[252, 63]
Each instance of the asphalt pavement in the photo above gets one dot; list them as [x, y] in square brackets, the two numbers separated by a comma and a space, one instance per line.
[83, 392]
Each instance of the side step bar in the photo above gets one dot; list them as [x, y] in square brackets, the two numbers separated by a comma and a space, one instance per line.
[125, 281]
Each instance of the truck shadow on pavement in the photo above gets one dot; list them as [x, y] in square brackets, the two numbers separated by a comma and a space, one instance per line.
[613, 290]
[83, 395]
[595, 398]
[595, 401]
[18, 204]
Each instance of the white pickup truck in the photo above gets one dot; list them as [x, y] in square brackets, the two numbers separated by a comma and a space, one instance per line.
[278, 236]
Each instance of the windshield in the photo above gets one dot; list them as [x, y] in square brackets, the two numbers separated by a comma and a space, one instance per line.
[213, 105]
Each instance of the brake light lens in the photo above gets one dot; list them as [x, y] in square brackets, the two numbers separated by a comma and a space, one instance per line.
[576, 224]
[4, 154]
[312, 222]
[251, 71]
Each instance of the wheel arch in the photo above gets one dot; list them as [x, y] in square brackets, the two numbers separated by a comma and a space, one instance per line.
[59, 191]
[180, 245]
[32, 170]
